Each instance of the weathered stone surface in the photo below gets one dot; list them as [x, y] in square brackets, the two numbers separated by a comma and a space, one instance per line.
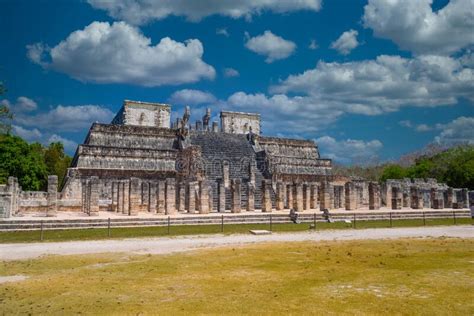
[52, 196]
[236, 196]
[280, 197]
[326, 195]
[204, 197]
[350, 196]
[266, 196]
[94, 196]
[250, 197]
[374, 196]
[298, 197]
[170, 192]
[221, 196]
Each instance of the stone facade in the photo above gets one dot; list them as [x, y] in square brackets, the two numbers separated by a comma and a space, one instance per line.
[140, 163]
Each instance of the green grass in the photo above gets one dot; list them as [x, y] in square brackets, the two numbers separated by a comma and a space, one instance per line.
[403, 277]
[102, 233]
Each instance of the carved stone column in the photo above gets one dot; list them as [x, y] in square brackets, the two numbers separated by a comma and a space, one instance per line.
[298, 197]
[52, 196]
[351, 196]
[250, 197]
[182, 197]
[306, 196]
[289, 195]
[465, 197]
[135, 196]
[374, 196]
[397, 198]
[94, 196]
[191, 197]
[326, 195]
[235, 191]
[204, 197]
[170, 192]
[126, 197]
[221, 196]
[314, 196]
[161, 196]
[449, 198]
[152, 201]
[280, 198]
[266, 196]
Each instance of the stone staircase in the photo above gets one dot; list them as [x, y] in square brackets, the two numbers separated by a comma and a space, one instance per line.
[217, 148]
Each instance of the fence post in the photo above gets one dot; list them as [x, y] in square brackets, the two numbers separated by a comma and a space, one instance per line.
[41, 233]
[271, 222]
[222, 223]
[424, 219]
[108, 227]
[391, 224]
[168, 224]
[354, 220]
[314, 220]
[454, 217]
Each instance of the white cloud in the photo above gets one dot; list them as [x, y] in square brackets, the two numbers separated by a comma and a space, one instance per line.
[413, 25]
[405, 123]
[143, 11]
[120, 53]
[460, 130]
[284, 114]
[222, 31]
[385, 84]
[346, 42]
[270, 45]
[66, 118]
[313, 44]
[192, 97]
[349, 150]
[30, 135]
[22, 104]
[35, 135]
[423, 128]
[69, 145]
[231, 72]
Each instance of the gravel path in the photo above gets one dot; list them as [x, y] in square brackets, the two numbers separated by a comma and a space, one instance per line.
[185, 243]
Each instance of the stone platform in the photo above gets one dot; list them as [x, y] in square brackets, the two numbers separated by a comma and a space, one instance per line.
[76, 220]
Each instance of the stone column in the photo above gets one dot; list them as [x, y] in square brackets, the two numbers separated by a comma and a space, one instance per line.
[204, 197]
[191, 204]
[226, 174]
[326, 195]
[52, 196]
[250, 197]
[397, 198]
[406, 198]
[306, 196]
[115, 189]
[170, 199]
[388, 195]
[266, 196]
[416, 198]
[314, 196]
[94, 196]
[221, 196]
[449, 198]
[280, 198]
[119, 197]
[152, 204]
[126, 198]
[211, 196]
[465, 198]
[144, 196]
[252, 172]
[215, 127]
[436, 200]
[351, 196]
[182, 197]
[374, 196]
[84, 189]
[161, 196]
[135, 196]
[298, 197]
[289, 195]
[236, 196]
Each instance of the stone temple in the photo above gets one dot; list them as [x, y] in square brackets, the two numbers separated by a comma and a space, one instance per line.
[143, 163]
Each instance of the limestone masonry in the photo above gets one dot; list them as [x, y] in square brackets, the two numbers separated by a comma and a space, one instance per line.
[142, 162]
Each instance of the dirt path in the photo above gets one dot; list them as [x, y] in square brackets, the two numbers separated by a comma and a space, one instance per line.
[186, 243]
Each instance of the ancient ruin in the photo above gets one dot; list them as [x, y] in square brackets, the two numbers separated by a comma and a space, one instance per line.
[143, 163]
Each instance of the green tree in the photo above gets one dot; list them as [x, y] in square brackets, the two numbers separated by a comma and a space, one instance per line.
[24, 161]
[393, 172]
[56, 160]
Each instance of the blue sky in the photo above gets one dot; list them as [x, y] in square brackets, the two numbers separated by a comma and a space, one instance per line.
[367, 80]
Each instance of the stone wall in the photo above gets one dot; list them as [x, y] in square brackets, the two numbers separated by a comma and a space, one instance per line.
[240, 123]
[143, 114]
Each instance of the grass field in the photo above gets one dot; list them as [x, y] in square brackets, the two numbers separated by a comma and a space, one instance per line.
[102, 233]
[407, 276]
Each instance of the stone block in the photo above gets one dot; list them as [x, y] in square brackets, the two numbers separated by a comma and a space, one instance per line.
[170, 199]
[52, 196]
[236, 199]
[266, 196]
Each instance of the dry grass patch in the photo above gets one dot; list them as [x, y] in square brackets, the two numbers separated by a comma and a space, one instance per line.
[418, 276]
